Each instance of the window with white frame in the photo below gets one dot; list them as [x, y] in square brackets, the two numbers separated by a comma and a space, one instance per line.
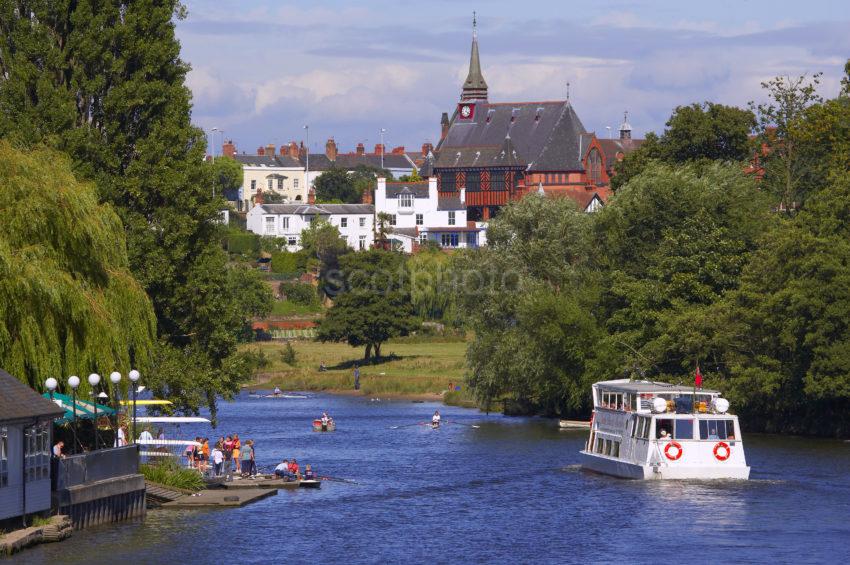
[4, 457]
[253, 185]
[362, 222]
[392, 219]
[451, 218]
[448, 239]
[36, 453]
[280, 184]
[269, 224]
[423, 237]
[405, 200]
[362, 243]
[284, 223]
[343, 222]
[292, 241]
[295, 183]
[271, 184]
[420, 219]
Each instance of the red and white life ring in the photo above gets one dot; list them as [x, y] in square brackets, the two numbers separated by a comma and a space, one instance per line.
[677, 454]
[727, 451]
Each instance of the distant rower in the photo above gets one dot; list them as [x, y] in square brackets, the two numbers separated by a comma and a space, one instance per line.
[435, 419]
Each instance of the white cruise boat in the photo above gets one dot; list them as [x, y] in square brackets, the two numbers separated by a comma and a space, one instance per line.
[650, 430]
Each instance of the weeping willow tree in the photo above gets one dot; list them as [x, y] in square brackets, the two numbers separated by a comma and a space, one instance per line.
[432, 285]
[68, 303]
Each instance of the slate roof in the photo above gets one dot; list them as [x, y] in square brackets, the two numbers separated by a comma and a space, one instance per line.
[427, 168]
[317, 209]
[418, 189]
[610, 147]
[268, 161]
[546, 136]
[349, 161]
[450, 203]
[20, 402]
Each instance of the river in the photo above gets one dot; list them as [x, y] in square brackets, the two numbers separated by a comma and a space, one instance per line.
[510, 491]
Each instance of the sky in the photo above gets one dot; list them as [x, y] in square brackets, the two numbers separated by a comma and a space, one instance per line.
[263, 69]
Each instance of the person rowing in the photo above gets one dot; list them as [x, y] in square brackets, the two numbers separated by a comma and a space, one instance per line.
[277, 391]
[435, 419]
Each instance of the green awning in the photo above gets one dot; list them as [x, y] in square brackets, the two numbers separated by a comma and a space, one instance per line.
[85, 408]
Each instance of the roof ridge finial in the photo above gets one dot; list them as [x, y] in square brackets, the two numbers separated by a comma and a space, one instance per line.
[568, 91]
[625, 116]
[474, 25]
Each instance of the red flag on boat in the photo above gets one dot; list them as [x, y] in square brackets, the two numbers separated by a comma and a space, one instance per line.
[698, 378]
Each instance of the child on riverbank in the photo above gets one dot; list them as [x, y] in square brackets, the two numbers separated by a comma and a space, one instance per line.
[237, 449]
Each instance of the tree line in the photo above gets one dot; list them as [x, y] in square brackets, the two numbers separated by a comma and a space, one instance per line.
[133, 274]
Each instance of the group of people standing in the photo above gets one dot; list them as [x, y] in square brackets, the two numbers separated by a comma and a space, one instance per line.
[227, 456]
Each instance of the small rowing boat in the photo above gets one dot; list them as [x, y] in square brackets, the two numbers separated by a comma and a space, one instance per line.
[310, 483]
[319, 426]
[573, 424]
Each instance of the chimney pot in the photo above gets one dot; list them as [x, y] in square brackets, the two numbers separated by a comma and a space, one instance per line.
[331, 149]
[270, 149]
[293, 150]
[360, 149]
[261, 151]
[228, 148]
[311, 197]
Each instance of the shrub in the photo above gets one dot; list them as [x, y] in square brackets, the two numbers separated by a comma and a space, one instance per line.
[288, 263]
[299, 293]
[243, 243]
[170, 474]
[287, 354]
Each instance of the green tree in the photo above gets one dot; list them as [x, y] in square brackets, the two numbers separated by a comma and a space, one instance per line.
[787, 170]
[695, 133]
[336, 185]
[104, 82]
[322, 243]
[431, 285]
[374, 305]
[226, 177]
[68, 302]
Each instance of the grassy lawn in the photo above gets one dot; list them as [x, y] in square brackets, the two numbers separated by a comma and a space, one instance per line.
[287, 308]
[409, 367]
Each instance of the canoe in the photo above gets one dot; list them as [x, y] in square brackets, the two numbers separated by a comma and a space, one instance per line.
[312, 483]
[145, 402]
[172, 420]
[573, 425]
[180, 442]
[319, 427]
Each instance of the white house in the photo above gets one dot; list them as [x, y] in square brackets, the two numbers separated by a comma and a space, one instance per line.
[418, 213]
[26, 425]
[270, 173]
[354, 221]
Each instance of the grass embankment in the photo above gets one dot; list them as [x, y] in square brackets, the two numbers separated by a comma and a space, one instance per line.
[170, 474]
[288, 308]
[409, 367]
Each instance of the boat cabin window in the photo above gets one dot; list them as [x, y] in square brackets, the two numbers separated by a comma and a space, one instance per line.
[641, 429]
[613, 400]
[666, 426]
[684, 429]
[717, 429]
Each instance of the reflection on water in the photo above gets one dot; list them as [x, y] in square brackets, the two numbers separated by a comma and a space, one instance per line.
[512, 489]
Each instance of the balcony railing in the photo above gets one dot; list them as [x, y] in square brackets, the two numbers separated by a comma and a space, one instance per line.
[96, 466]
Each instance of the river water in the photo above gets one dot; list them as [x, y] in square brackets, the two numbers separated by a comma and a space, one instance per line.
[510, 491]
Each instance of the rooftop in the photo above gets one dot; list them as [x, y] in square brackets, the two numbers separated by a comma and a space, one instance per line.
[625, 385]
[20, 402]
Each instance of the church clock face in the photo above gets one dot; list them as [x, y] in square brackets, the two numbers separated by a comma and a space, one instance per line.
[465, 111]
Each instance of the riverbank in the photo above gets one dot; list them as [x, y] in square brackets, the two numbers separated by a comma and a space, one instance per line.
[420, 369]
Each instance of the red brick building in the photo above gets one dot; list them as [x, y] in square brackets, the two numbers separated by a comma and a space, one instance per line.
[500, 151]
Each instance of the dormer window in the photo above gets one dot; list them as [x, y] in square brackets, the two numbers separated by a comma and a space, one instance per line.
[490, 113]
[405, 200]
[514, 113]
[538, 113]
[594, 166]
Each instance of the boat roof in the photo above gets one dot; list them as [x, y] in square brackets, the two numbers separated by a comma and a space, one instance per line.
[627, 385]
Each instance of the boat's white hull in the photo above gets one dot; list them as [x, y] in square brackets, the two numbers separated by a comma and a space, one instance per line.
[626, 470]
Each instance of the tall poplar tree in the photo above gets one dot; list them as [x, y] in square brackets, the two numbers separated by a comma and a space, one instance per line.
[103, 81]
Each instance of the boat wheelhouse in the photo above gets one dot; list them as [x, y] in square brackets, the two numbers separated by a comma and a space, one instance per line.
[652, 430]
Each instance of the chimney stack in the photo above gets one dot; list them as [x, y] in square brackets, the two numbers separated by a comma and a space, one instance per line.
[379, 149]
[311, 197]
[360, 149]
[258, 198]
[398, 150]
[444, 126]
[261, 151]
[270, 149]
[228, 149]
[426, 148]
[330, 149]
[293, 150]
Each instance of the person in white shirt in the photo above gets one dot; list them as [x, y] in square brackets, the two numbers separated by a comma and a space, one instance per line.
[435, 420]
[57, 449]
[218, 459]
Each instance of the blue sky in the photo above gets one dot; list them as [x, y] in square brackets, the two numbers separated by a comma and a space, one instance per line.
[262, 69]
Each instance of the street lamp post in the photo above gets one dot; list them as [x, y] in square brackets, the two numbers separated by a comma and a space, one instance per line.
[609, 131]
[94, 380]
[212, 151]
[307, 179]
[115, 378]
[134, 378]
[383, 131]
[51, 385]
[74, 382]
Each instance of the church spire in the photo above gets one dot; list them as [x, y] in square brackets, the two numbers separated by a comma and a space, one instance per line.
[474, 87]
